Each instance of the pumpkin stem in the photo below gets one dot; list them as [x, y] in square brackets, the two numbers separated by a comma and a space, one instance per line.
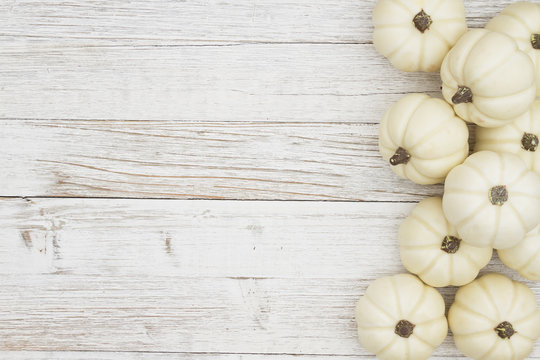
[450, 244]
[535, 41]
[401, 156]
[422, 21]
[529, 142]
[462, 95]
[505, 330]
[404, 328]
[498, 195]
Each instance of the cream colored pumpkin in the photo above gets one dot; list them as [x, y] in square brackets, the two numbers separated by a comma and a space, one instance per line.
[400, 317]
[415, 35]
[525, 256]
[520, 137]
[521, 21]
[422, 138]
[487, 79]
[495, 318]
[431, 248]
[492, 199]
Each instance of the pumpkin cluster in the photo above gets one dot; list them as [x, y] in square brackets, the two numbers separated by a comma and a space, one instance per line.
[490, 79]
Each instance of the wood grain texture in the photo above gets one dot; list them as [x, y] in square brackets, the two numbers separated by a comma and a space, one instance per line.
[104, 237]
[194, 276]
[86, 355]
[244, 99]
[199, 160]
[173, 22]
[238, 82]
[200, 60]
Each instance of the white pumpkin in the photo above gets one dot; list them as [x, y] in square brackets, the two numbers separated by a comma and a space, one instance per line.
[521, 21]
[400, 317]
[431, 248]
[422, 138]
[495, 318]
[525, 256]
[520, 137]
[415, 35]
[492, 199]
[487, 79]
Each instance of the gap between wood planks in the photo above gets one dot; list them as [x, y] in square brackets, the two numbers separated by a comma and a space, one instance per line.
[164, 355]
[210, 43]
[203, 198]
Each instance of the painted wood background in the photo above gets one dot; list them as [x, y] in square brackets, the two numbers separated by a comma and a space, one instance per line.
[196, 179]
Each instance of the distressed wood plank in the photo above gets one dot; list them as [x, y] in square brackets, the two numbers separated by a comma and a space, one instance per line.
[244, 82]
[88, 355]
[172, 22]
[178, 314]
[105, 237]
[199, 160]
[108, 269]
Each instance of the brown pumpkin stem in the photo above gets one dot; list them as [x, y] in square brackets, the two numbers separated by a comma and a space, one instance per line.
[498, 195]
[535, 41]
[505, 330]
[422, 21]
[404, 328]
[401, 156]
[529, 142]
[450, 244]
[462, 95]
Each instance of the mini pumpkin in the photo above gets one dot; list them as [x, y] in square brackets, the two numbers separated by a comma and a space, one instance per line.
[525, 256]
[422, 138]
[521, 21]
[415, 35]
[520, 137]
[431, 248]
[492, 199]
[487, 79]
[495, 318]
[400, 317]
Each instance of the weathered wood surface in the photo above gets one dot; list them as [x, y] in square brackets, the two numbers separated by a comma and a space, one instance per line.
[198, 238]
[198, 160]
[244, 82]
[245, 99]
[86, 355]
[193, 276]
[178, 22]
[200, 60]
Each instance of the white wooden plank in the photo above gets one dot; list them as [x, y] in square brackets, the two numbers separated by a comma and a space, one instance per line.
[198, 160]
[88, 355]
[100, 275]
[171, 21]
[179, 314]
[194, 238]
[106, 237]
[244, 82]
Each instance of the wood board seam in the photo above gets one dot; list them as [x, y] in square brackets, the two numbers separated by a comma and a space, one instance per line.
[29, 198]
